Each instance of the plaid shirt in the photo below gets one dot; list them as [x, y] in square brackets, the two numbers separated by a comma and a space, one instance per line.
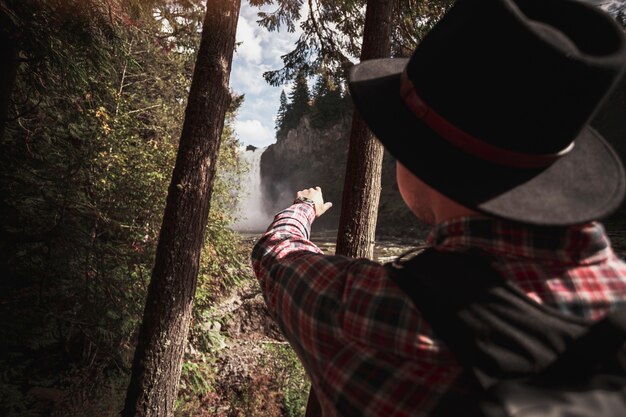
[366, 348]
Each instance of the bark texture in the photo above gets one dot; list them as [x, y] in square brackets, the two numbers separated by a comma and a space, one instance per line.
[163, 334]
[361, 192]
[8, 72]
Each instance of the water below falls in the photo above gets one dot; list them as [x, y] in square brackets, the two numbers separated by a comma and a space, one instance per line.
[385, 249]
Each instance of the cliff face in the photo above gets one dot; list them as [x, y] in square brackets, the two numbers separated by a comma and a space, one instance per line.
[308, 157]
[303, 158]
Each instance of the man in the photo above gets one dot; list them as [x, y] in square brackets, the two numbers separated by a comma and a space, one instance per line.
[488, 121]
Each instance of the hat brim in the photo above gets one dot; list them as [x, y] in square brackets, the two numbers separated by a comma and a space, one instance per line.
[586, 184]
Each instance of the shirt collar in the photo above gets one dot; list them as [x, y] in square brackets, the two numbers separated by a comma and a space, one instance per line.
[578, 244]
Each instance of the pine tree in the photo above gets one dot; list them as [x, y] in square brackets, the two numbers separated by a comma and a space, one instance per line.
[298, 105]
[332, 30]
[361, 191]
[299, 98]
[329, 105]
[282, 112]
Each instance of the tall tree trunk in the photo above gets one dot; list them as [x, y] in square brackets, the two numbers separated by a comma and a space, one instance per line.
[361, 190]
[163, 334]
[8, 72]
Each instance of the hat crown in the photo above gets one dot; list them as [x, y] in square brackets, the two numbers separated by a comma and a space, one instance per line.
[522, 75]
[492, 109]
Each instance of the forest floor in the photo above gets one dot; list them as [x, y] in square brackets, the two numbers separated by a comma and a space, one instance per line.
[256, 362]
[256, 373]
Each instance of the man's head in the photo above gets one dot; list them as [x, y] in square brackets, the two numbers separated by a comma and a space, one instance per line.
[492, 109]
[428, 205]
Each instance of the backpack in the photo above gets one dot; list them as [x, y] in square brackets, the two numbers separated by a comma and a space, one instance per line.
[520, 358]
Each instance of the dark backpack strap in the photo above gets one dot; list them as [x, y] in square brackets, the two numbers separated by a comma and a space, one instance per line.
[491, 326]
[601, 348]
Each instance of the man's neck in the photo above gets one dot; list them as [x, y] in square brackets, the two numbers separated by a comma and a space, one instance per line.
[445, 209]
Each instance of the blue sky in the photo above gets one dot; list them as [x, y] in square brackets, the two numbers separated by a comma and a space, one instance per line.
[260, 51]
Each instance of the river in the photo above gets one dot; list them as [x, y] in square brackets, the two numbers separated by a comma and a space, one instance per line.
[385, 249]
[388, 248]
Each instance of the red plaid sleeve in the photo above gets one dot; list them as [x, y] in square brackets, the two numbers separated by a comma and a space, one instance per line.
[364, 344]
[365, 347]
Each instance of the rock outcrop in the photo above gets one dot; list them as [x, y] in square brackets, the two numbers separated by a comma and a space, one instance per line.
[308, 157]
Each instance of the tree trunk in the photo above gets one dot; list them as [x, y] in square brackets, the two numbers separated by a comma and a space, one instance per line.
[361, 190]
[8, 72]
[163, 334]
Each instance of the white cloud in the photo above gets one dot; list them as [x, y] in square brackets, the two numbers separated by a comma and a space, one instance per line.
[260, 51]
[250, 48]
[253, 132]
[248, 79]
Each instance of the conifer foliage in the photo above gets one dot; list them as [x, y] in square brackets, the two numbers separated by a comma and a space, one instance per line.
[291, 112]
[299, 100]
[329, 104]
[325, 105]
[332, 30]
[93, 117]
[282, 111]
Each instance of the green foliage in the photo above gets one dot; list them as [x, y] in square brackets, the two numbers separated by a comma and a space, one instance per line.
[298, 104]
[282, 111]
[413, 19]
[329, 46]
[277, 387]
[330, 106]
[85, 163]
[257, 395]
[330, 39]
[196, 377]
[199, 368]
[287, 13]
[332, 31]
[291, 377]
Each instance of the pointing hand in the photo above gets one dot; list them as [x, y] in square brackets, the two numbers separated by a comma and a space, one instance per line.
[315, 194]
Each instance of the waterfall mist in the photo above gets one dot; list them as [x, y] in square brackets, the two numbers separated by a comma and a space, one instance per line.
[252, 216]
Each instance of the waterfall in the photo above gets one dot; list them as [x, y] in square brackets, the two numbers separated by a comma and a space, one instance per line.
[251, 213]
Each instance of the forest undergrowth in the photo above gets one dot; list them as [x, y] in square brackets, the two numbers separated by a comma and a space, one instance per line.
[238, 363]
[93, 118]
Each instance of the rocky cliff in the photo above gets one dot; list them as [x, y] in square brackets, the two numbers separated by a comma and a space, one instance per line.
[308, 157]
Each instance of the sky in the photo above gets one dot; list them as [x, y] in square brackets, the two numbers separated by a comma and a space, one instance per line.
[259, 51]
